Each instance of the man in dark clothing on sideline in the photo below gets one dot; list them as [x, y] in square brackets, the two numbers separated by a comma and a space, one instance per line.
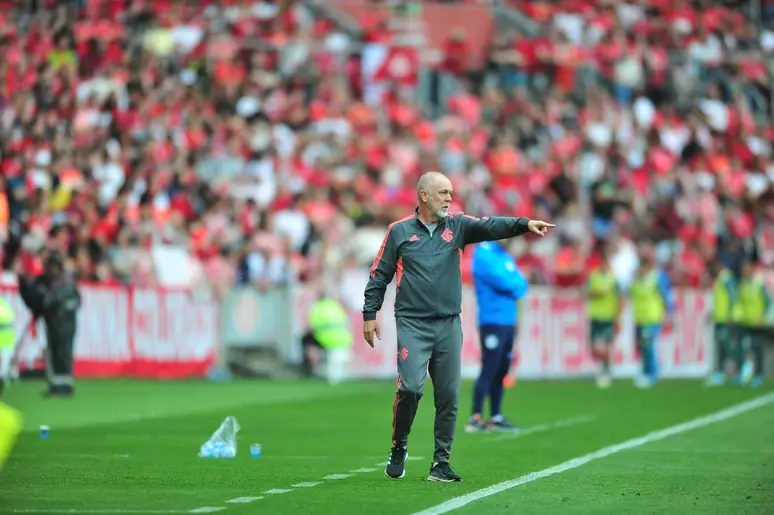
[424, 251]
[55, 297]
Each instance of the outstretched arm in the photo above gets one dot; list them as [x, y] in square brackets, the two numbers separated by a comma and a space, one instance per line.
[499, 228]
[492, 228]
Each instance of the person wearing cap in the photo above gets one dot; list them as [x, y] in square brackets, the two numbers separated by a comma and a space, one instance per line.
[54, 296]
[652, 306]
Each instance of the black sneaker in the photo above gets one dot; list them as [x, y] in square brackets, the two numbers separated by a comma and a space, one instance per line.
[503, 424]
[443, 473]
[396, 467]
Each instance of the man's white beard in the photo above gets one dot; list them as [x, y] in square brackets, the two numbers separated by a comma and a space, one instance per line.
[441, 213]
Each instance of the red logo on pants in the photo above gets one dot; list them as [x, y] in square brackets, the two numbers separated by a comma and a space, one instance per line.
[403, 353]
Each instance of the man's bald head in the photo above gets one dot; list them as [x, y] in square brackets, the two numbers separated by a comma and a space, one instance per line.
[428, 182]
[434, 192]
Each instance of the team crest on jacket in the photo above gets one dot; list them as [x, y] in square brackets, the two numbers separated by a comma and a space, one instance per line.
[447, 235]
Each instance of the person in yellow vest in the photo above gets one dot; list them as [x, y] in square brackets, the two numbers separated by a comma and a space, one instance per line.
[10, 426]
[329, 323]
[7, 341]
[652, 307]
[10, 419]
[604, 310]
[725, 301]
[754, 302]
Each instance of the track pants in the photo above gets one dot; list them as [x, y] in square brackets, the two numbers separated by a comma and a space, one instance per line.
[646, 337]
[428, 345]
[59, 361]
[496, 352]
[723, 335]
[754, 342]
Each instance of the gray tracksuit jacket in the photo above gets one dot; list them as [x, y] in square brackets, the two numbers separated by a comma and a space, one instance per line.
[429, 278]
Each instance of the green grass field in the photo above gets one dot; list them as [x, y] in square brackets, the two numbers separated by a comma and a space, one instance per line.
[131, 447]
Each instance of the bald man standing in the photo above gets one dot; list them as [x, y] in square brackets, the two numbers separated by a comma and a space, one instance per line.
[424, 251]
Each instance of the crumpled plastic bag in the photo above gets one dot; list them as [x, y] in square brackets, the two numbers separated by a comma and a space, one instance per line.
[222, 443]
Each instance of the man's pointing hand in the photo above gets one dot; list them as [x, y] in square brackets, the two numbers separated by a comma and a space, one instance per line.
[538, 227]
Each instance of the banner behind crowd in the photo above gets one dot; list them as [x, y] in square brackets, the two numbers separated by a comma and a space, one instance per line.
[171, 333]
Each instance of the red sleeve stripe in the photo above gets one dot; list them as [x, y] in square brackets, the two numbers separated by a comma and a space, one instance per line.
[379, 254]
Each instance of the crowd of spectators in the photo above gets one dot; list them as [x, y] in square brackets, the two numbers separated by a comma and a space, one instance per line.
[237, 131]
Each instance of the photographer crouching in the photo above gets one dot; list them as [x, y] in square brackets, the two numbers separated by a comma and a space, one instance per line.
[54, 296]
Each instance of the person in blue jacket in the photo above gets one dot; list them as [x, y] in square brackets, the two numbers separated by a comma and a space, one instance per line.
[499, 286]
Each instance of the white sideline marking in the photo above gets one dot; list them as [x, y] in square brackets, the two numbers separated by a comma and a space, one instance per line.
[244, 500]
[357, 471]
[207, 509]
[338, 476]
[308, 484]
[540, 428]
[276, 491]
[459, 502]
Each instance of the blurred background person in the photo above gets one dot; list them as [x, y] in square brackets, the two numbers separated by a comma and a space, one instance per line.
[604, 312]
[54, 297]
[500, 286]
[653, 308]
[329, 330]
[755, 301]
[725, 303]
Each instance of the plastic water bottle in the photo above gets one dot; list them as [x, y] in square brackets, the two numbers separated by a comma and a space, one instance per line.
[255, 450]
[44, 432]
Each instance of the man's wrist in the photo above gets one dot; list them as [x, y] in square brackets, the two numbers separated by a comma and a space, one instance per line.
[369, 315]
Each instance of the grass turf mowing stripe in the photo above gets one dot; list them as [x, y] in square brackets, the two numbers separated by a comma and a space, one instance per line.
[459, 502]
[96, 403]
